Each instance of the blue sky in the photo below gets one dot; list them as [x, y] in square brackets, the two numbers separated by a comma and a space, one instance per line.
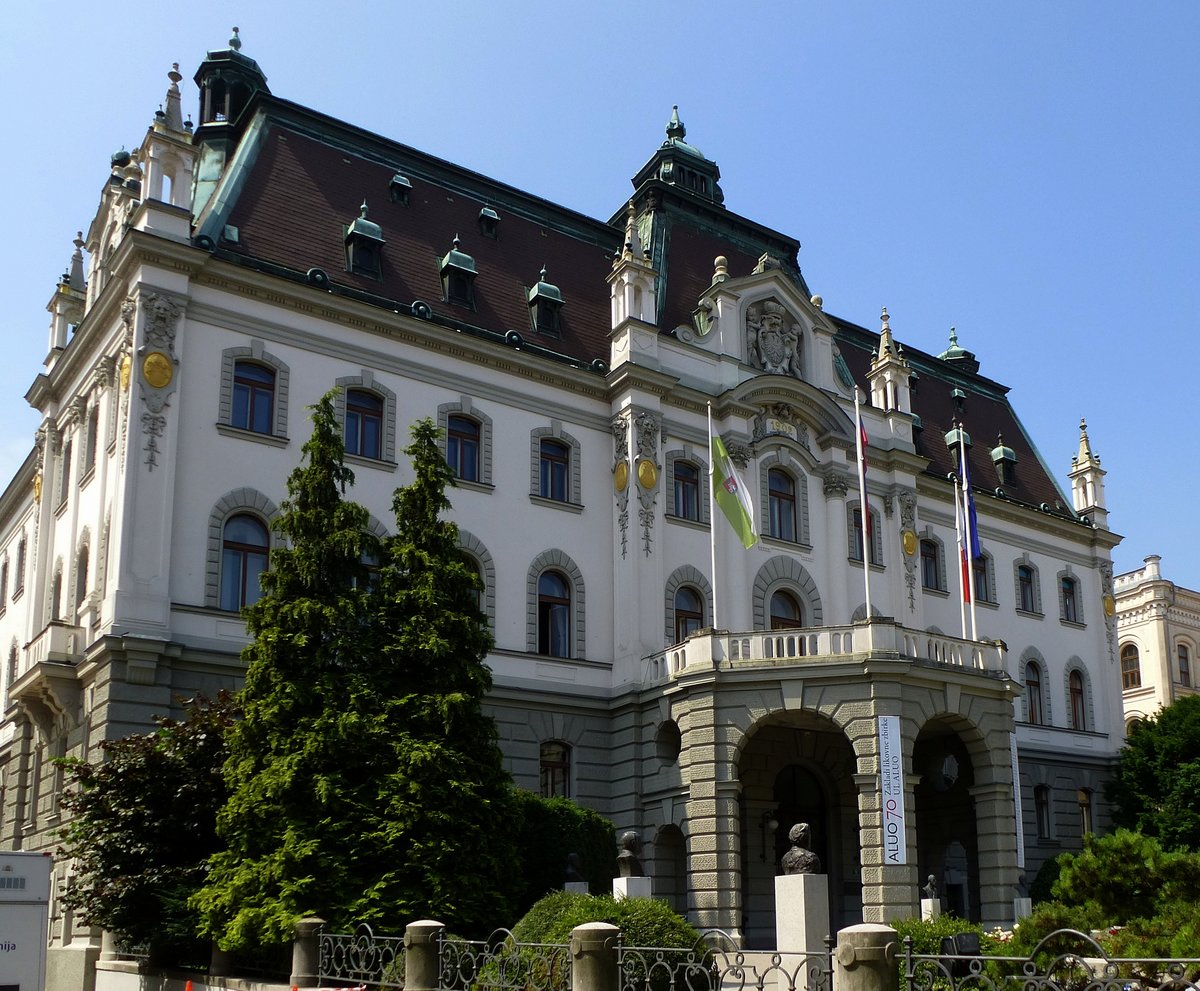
[1026, 172]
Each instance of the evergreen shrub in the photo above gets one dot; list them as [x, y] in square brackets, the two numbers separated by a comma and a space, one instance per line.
[548, 830]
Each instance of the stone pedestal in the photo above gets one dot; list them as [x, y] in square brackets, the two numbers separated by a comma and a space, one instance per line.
[931, 908]
[801, 913]
[633, 887]
[1021, 908]
[578, 887]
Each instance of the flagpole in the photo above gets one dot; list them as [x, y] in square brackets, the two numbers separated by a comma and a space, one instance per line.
[970, 538]
[864, 510]
[712, 517]
[963, 555]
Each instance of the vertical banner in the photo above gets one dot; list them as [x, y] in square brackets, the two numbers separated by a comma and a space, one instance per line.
[1016, 773]
[891, 788]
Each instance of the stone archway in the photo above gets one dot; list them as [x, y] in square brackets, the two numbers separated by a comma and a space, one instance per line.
[945, 815]
[797, 766]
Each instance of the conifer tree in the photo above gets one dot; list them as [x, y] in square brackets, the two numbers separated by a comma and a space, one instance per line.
[366, 784]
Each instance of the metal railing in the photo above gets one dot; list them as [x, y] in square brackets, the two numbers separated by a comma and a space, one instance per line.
[715, 963]
[1066, 960]
[361, 957]
[501, 962]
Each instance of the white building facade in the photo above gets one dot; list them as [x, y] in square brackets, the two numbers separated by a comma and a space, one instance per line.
[232, 278]
[1159, 627]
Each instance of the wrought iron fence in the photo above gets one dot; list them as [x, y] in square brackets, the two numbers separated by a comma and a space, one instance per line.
[500, 962]
[361, 958]
[1066, 960]
[716, 964]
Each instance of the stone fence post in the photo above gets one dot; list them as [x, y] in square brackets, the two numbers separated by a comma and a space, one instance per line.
[306, 953]
[593, 957]
[421, 967]
[865, 959]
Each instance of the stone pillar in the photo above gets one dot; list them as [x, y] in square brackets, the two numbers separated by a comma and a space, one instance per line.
[996, 844]
[306, 953]
[593, 958]
[421, 955]
[866, 959]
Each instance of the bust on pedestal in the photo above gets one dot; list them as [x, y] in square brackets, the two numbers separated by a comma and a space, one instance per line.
[931, 904]
[801, 897]
[631, 883]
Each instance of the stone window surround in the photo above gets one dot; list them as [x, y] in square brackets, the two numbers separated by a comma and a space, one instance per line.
[1033, 655]
[1089, 712]
[244, 500]
[465, 407]
[475, 549]
[1079, 620]
[781, 461]
[1026, 561]
[685, 574]
[279, 403]
[942, 586]
[367, 382]
[877, 561]
[574, 472]
[556, 560]
[689, 455]
[785, 573]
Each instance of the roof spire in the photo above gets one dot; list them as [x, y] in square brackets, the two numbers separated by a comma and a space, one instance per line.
[75, 277]
[633, 242]
[1085, 445]
[886, 344]
[675, 129]
[174, 115]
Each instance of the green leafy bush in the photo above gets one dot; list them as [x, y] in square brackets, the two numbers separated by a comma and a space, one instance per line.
[1042, 888]
[548, 830]
[642, 921]
[927, 934]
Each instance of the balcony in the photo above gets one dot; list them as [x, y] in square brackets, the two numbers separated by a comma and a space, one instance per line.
[719, 651]
[45, 684]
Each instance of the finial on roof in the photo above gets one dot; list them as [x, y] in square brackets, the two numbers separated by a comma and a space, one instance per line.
[1085, 445]
[455, 242]
[362, 210]
[173, 117]
[818, 302]
[633, 243]
[675, 129]
[235, 42]
[883, 316]
[542, 273]
[720, 269]
[75, 276]
[953, 338]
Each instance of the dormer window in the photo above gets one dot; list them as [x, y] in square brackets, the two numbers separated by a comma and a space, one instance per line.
[458, 277]
[545, 304]
[399, 189]
[364, 246]
[1005, 460]
[489, 222]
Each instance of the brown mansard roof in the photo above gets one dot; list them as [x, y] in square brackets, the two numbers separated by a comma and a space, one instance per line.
[311, 174]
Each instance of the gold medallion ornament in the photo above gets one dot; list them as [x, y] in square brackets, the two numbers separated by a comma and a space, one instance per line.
[157, 370]
[647, 474]
[1110, 605]
[621, 476]
[910, 542]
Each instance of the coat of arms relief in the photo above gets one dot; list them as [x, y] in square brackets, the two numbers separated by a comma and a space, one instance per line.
[773, 341]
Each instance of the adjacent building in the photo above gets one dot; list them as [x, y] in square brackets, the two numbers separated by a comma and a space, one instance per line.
[1159, 630]
[646, 664]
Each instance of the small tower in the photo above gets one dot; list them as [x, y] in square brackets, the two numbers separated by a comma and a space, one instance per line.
[959, 356]
[228, 81]
[634, 293]
[1087, 481]
[66, 305]
[168, 159]
[889, 373]
[682, 166]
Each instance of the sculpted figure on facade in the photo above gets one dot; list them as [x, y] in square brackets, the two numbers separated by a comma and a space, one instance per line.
[620, 434]
[772, 339]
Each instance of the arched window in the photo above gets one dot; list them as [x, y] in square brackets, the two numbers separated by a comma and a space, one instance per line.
[554, 615]
[244, 551]
[1131, 667]
[687, 490]
[786, 613]
[253, 397]
[555, 762]
[364, 424]
[781, 490]
[1033, 694]
[689, 612]
[1185, 665]
[91, 438]
[555, 464]
[463, 447]
[1078, 701]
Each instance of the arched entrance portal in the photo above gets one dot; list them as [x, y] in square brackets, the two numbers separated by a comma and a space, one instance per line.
[797, 767]
[947, 831]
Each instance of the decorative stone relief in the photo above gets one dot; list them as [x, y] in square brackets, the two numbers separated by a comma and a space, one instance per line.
[773, 339]
[646, 430]
[908, 535]
[157, 364]
[620, 469]
[1110, 609]
[740, 453]
[837, 484]
[780, 419]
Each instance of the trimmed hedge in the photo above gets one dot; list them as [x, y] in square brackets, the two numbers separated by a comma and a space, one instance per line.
[550, 829]
[643, 921]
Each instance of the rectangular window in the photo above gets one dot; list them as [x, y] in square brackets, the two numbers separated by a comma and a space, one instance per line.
[1025, 596]
[364, 424]
[983, 591]
[1185, 663]
[1070, 604]
[687, 491]
[462, 448]
[930, 577]
[555, 462]
[64, 477]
